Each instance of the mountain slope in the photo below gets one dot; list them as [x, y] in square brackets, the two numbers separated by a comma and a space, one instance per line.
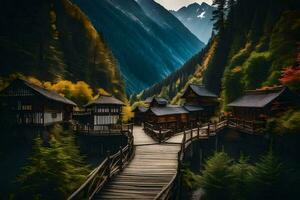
[146, 51]
[54, 40]
[250, 53]
[197, 18]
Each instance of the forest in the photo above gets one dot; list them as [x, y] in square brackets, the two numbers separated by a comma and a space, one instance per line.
[256, 44]
[58, 42]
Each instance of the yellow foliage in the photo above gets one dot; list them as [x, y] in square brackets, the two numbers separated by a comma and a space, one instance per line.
[35, 81]
[138, 104]
[236, 69]
[80, 92]
[127, 112]
[102, 92]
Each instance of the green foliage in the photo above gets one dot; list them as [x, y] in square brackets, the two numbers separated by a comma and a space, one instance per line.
[55, 170]
[191, 180]
[256, 69]
[233, 86]
[288, 123]
[267, 178]
[223, 178]
[242, 179]
[217, 178]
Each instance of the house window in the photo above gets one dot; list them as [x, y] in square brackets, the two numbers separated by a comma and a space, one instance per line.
[54, 115]
[26, 107]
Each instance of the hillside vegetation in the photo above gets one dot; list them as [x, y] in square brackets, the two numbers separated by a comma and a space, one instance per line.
[52, 41]
[253, 47]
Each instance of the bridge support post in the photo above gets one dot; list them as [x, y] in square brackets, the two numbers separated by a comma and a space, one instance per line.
[191, 131]
[208, 129]
[198, 131]
[159, 135]
[108, 164]
[121, 159]
[216, 127]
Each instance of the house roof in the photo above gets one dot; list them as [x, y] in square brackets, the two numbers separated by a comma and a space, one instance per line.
[259, 98]
[193, 108]
[168, 110]
[200, 90]
[140, 109]
[45, 93]
[159, 100]
[105, 100]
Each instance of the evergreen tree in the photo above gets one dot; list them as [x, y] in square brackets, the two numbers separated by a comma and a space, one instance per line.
[54, 171]
[267, 178]
[219, 15]
[242, 179]
[217, 178]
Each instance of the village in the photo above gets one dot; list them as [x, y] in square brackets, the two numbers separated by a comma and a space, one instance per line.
[154, 126]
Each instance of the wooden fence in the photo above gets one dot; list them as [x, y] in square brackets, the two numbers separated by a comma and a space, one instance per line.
[110, 166]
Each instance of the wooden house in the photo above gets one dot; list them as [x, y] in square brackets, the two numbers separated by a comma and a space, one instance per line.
[195, 113]
[156, 102]
[139, 114]
[101, 114]
[167, 117]
[35, 106]
[258, 105]
[199, 96]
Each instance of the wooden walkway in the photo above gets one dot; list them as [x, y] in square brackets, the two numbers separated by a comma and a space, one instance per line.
[144, 169]
[152, 168]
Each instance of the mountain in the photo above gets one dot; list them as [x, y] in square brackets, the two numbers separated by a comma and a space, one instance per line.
[54, 40]
[256, 46]
[197, 18]
[147, 47]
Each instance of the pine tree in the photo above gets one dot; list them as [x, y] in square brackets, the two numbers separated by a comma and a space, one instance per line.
[267, 178]
[54, 171]
[219, 15]
[217, 178]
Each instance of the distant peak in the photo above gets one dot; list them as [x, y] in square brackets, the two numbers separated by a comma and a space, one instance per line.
[194, 4]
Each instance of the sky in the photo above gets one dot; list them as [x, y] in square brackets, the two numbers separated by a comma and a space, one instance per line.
[176, 4]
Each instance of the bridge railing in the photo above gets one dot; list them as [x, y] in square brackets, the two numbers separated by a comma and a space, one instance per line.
[157, 131]
[206, 130]
[108, 129]
[247, 125]
[109, 167]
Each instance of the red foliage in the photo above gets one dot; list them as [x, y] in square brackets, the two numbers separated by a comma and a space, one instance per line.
[290, 76]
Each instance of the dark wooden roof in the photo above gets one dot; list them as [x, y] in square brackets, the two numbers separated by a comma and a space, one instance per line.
[42, 91]
[193, 108]
[105, 100]
[168, 110]
[158, 100]
[201, 91]
[259, 98]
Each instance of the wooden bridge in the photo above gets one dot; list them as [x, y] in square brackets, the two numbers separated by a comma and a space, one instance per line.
[145, 168]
